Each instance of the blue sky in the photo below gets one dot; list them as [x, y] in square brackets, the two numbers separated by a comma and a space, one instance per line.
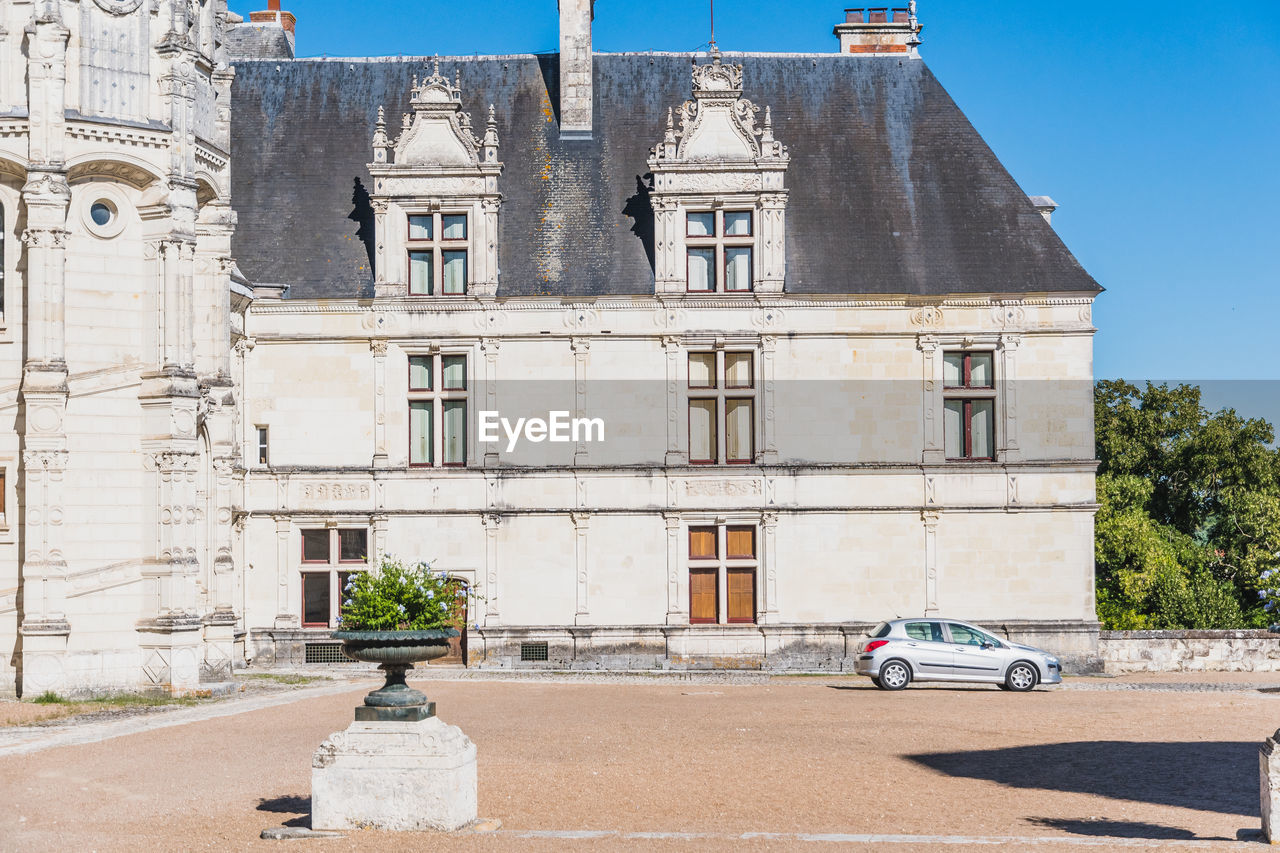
[1154, 125]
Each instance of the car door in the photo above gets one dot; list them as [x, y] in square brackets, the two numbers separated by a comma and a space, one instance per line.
[927, 649]
[976, 655]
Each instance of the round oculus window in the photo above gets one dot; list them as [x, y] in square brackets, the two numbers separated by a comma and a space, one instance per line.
[102, 212]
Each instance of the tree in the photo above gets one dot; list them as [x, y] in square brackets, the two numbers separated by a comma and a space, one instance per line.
[1189, 513]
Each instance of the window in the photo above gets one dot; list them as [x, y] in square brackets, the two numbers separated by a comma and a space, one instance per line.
[437, 410]
[438, 254]
[722, 405]
[968, 381]
[263, 458]
[720, 245]
[928, 631]
[722, 557]
[329, 556]
[963, 635]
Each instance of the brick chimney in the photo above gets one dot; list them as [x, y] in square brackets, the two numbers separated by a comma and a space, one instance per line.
[273, 15]
[879, 31]
[575, 68]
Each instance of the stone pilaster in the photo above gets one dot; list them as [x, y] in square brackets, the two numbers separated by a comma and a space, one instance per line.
[768, 613]
[492, 527]
[379, 349]
[676, 454]
[45, 629]
[934, 451]
[581, 360]
[581, 572]
[677, 606]
[286, 617]
[931, 520]
[490, 348]
[1269, 773]
[773, 243]
[1011, 450]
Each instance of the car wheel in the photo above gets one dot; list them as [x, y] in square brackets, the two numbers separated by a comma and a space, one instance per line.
[1021, 677]
[894, 675]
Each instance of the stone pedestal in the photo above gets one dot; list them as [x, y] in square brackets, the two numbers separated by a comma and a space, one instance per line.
[1269, 779]
[395, 775]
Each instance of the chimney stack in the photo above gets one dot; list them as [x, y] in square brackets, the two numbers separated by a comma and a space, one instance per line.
[1045, 205]
[879, 31]
[575, 68]
[273, 15]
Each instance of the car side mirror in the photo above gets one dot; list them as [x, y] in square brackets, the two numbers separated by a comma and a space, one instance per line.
[988, 645]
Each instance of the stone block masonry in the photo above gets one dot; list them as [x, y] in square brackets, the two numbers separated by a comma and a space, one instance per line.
[1190, 651]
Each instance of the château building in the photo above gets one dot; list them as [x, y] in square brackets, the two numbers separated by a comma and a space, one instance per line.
[672, 360]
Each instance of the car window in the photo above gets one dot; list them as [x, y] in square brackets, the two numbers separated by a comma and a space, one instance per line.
[930, 631]
[881, 630]
[966, 636]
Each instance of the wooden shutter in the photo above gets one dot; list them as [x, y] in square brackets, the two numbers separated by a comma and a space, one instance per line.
[702, 543]
[742, 595]
[703, 595]
[741, 542]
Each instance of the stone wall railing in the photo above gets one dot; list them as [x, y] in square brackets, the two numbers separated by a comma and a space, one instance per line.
[1189, 651]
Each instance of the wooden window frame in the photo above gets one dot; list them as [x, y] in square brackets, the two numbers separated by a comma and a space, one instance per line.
[437, 245]
[438, 395]
[722, 393]
[335, 568]
[967, 394]
[722, 564]
[263, 433]
[719, 241]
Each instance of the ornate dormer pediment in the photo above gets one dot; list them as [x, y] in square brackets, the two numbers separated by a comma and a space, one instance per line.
[720, 158]
[437, 132]
[718, 123]
[435, 196]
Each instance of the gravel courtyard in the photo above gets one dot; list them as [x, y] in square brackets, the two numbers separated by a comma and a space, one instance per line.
[813, 763]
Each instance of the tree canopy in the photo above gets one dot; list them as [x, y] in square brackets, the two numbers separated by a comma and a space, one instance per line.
[1189, 515]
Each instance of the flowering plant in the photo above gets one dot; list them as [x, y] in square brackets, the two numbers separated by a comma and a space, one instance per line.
[400, 597]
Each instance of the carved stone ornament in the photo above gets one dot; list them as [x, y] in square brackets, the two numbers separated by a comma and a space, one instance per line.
[119, 7]
[438, 131]
[718, 113]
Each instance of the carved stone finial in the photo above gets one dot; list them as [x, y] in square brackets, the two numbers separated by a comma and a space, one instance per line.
[380, 141]
[671, 126]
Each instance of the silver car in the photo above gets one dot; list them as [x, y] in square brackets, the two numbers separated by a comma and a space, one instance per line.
[927, 649]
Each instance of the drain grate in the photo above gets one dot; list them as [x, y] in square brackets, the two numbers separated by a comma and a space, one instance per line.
[325, 653]
[533, 651]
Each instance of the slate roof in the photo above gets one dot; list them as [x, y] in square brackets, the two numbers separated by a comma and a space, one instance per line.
[892, 189]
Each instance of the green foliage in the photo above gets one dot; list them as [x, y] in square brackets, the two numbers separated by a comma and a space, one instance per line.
[1189, 517]
[48, 698]
[400, 597]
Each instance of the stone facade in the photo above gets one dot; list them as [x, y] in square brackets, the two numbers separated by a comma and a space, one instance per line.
[193, 461]
[117, 439]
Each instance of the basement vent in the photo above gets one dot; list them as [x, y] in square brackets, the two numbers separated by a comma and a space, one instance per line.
[533, 651]
[326, 653]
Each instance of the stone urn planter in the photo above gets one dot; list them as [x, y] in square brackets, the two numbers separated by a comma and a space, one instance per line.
[396, 652]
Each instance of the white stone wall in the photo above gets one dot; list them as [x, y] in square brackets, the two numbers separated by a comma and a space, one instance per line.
[855, 522]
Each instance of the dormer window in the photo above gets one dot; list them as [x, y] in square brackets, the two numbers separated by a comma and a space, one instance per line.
[720, 246]
[435, 197]
[719, 196]
[438, 249]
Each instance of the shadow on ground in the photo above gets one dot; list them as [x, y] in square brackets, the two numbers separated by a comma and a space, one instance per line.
[295, 805]
[1207, 776]
[1103, 828]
